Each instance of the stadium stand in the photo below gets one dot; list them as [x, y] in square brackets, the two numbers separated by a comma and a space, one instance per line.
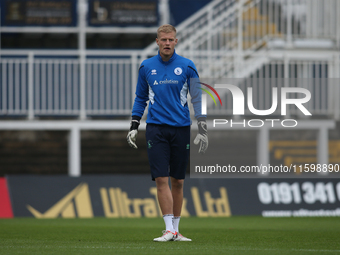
[85, 69]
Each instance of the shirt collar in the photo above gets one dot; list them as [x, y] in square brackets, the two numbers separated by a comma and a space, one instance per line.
[170, 60]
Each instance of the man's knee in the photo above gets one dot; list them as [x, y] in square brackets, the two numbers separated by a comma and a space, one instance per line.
[162, 182]
[177, 183]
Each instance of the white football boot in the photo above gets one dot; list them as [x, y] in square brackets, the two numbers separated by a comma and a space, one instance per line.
[167, 236]
[180, 237]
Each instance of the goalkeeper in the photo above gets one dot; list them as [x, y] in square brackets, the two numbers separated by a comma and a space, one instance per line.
[164, 81]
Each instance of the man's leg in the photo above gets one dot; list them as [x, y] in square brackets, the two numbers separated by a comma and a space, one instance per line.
[165, 201]
[164, 195]
[177, 195]
[179, 159]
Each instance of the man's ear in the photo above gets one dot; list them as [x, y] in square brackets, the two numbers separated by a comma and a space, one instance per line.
[157, 41]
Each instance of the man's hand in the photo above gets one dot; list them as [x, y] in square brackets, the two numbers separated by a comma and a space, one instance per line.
[202, 136]
[132, 135]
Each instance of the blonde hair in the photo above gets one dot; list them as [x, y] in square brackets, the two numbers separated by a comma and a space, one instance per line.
[166, 29]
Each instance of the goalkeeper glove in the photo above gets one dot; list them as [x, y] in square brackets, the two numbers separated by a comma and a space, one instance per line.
[202, 136]
[132, 135]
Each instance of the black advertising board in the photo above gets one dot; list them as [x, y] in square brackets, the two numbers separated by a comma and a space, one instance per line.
[123, 13]
[39, 13]
[115, 196]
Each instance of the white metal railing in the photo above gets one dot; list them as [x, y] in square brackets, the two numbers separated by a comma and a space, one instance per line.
[226, 34]
[40, 85]
[34, 86]
[109, 86]
[243, 25]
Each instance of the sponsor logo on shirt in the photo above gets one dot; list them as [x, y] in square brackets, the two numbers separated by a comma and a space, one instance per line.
[168, 82]
[165, 82]
[153, 72]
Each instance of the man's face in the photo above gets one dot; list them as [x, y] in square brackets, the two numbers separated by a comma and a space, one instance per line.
[166, 43]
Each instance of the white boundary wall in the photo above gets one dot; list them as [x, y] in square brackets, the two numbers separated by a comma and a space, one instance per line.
[75, 127]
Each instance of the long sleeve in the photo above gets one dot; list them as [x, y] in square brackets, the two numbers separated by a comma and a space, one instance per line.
[195, 91]
[142, 91]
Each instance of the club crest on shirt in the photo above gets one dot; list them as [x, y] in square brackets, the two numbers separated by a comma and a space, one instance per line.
[178, 71]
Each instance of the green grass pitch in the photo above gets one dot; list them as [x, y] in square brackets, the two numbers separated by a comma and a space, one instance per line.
[234, 235]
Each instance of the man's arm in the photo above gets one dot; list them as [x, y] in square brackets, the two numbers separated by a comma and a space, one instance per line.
[138, 107]
[142, 94]
[196, 99]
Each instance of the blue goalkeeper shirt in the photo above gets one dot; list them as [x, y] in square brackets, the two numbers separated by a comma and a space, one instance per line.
[166, 85]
